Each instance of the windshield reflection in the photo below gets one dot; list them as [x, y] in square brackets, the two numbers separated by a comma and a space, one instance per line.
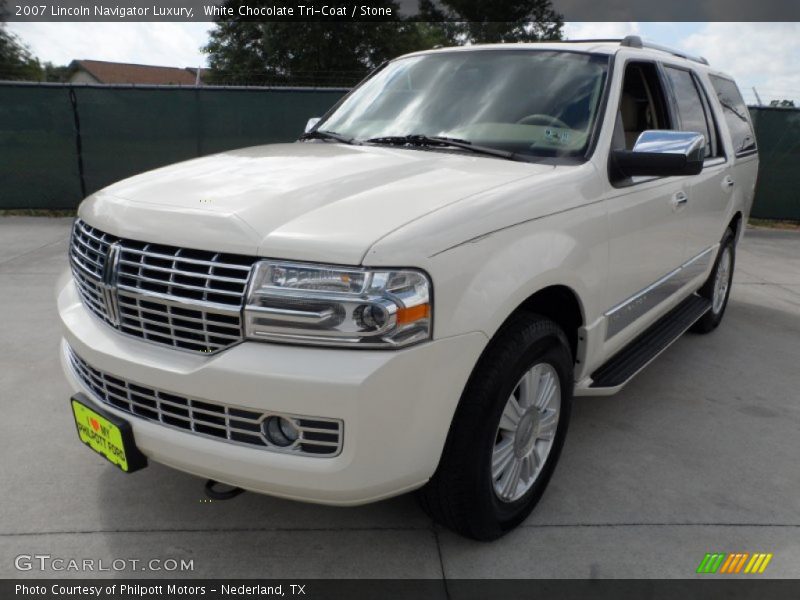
[529, 102]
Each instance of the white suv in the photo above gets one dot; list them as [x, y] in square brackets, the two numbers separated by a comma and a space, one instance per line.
[410, 295]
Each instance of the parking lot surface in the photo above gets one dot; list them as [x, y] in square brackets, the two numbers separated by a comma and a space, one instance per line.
[700, 453]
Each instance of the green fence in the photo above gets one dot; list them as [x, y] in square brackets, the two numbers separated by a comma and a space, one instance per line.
[60, 142]
[778, 188]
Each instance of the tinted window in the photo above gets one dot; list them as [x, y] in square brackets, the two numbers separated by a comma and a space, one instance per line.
[736, 115]
[690, 106]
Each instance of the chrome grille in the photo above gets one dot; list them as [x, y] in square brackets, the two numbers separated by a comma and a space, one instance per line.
[90, 248]
[88, 252]
[188, 299]
[317, 436]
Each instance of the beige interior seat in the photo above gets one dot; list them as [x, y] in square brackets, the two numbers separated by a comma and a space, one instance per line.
[630, 109]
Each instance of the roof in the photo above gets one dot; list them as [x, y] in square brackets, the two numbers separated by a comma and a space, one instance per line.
[606, 46]
[593, 47]
[113, 72]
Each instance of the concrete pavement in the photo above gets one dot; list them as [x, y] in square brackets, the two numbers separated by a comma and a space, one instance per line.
[698, 454]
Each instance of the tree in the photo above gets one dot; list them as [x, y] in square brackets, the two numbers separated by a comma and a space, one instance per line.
[242, 51]
[311, 52]
[16, 60]
[55, 73]
[499, 21]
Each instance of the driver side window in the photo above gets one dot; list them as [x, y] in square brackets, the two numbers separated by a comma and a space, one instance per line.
[642, 105]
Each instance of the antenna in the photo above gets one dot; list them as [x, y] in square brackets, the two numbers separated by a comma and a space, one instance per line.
[758, 98]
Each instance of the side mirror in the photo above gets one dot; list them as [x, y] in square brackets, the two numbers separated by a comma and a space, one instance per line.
[661, 153]
[311, 123]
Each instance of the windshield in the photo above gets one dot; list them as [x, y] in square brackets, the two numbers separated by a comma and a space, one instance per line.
[534, 103]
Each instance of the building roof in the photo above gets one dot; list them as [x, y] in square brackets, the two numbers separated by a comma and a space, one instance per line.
[112, 72]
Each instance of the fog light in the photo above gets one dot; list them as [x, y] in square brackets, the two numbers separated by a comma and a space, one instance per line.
[280, 431]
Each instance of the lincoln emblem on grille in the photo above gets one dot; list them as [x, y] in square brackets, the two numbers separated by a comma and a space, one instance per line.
[110, 269]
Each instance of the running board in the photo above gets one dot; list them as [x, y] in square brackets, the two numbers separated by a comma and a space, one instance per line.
[658, 337]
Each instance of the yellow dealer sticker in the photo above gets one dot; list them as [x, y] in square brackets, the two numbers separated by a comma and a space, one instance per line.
[108, 439]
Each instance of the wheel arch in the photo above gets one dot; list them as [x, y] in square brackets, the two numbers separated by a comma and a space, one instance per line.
[736, 225]
[559, 303]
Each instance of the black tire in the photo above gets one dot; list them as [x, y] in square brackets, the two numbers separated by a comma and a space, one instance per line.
[461, 494]
[711, 320]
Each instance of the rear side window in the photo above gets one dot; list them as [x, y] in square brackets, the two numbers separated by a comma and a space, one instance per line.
[691, 110]
[736, 115]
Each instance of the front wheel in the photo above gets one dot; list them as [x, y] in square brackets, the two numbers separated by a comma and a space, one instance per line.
[717, 287]
[507, 433]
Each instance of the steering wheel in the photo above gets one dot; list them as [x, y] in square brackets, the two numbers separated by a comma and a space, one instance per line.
[542, 119]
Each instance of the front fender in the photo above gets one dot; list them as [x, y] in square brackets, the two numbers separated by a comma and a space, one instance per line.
[481, 283]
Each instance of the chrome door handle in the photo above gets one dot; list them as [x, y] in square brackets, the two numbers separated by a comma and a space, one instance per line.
[728, 181]
[679, 199]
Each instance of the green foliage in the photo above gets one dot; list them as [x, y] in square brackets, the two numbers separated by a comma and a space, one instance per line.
[782, 103]
[309, 53]
[500, 21]
[16, 61]
[341, 53]
[55, 73]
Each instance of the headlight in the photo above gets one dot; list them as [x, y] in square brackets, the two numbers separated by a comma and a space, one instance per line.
[338, 306]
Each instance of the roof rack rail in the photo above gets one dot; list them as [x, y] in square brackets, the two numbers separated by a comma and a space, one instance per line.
[585, 41]
[634, 41]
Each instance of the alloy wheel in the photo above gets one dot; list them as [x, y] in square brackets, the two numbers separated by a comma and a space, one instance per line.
[526, 432]
[722, 281]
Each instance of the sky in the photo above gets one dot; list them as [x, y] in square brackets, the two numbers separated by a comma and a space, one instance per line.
[760, 55]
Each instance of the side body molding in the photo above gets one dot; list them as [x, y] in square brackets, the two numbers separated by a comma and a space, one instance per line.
[628, 311]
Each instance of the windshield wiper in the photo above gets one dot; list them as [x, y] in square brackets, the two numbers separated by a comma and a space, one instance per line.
[318, 134]
[416, 139]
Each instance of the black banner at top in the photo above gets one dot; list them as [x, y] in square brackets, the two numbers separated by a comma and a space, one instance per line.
[396, 10]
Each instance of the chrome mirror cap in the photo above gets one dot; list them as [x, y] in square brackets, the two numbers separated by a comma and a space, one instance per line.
[311, 123]
[659, 153]
[661, 141]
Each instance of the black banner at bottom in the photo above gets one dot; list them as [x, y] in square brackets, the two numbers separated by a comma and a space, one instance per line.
[451, 589]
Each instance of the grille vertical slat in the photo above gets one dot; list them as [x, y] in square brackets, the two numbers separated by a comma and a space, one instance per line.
[187, 299]
[317, 436]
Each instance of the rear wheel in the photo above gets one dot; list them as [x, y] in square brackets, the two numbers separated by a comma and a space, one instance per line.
[507, 433]
[717, 287]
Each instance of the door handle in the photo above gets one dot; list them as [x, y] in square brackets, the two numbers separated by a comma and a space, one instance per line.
[728, 182]
[679, 199]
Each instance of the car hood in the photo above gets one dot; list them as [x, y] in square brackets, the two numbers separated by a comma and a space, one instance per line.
[320, 201]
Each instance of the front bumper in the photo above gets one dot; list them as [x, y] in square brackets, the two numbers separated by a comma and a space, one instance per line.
[396, 406]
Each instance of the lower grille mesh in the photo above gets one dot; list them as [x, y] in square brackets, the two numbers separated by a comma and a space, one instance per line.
[317, 436]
